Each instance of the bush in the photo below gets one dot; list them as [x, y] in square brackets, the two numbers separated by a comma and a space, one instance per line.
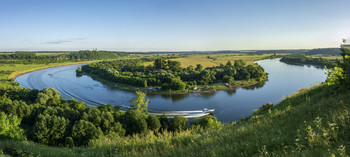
[206, 122]
[265, 107]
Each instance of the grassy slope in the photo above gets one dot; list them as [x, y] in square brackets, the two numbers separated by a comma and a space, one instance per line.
[271, 132]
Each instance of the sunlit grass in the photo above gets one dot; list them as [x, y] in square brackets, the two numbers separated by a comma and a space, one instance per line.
[209, 60]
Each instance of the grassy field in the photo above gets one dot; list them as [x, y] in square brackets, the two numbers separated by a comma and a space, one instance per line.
[209, 60]
[49, 54]
[326, 57]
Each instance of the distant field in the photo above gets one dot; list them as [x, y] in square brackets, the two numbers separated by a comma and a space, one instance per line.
[326, 57]
[49, 54]
[209, 60]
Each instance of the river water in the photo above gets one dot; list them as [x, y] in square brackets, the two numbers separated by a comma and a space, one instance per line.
[229, 105]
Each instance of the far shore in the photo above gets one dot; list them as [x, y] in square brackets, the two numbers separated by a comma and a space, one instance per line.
[18, 73]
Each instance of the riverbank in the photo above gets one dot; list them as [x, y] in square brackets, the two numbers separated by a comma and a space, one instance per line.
[14, 74]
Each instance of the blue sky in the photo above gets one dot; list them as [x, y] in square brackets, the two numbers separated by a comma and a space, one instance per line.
[172, 25]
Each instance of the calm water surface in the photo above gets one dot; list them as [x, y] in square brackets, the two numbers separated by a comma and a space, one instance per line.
[229, 105]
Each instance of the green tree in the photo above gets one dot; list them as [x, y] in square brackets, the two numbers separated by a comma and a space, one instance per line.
[239, 63]
[199, 67]
[117, 130]
[178, 123]
[228, 79]
[10, 127]
[153, 123]
[174, 65]
[160, 64]
[49, 96]
[84, 131]
[177, 84]
[207, 76]
[139, 102]
[135, 122]
[50, 129]
[345, 65]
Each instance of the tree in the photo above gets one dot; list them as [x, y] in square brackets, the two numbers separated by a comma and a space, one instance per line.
[50, 129]
[160, 63]
[139, 102]
[345, 65]
[164, 122]
[177, 84]
[117, 130]
[135, 117]
[228, 63]
[174, 65]
[239, 63]
[207, 76]
[178, 123]
[153, 123]
[84, 131]
[135, 122]
[199, 67]
[49, 96]
[228, 79]
[10, 127]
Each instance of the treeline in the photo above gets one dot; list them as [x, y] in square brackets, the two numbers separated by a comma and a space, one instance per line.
[95, 55]
[32, 58]
[44, 117]
[324, 51]
[169, 75]
[302, 59]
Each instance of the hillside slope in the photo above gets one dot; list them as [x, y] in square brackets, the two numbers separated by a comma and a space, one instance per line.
[312, 122]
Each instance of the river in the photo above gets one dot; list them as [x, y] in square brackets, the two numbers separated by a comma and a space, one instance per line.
[229, 105]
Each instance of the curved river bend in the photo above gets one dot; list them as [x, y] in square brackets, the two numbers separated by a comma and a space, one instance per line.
[229, 105]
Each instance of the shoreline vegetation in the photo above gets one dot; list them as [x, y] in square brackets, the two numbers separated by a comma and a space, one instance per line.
[168, 77]
[203, 89]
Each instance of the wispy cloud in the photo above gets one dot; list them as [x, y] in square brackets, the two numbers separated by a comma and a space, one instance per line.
[64, 41]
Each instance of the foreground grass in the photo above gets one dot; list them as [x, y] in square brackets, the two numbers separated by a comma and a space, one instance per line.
[313, 122]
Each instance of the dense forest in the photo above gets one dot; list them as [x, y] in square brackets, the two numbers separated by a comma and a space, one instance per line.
[169, 75]
[302, 59]
[33, 58]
